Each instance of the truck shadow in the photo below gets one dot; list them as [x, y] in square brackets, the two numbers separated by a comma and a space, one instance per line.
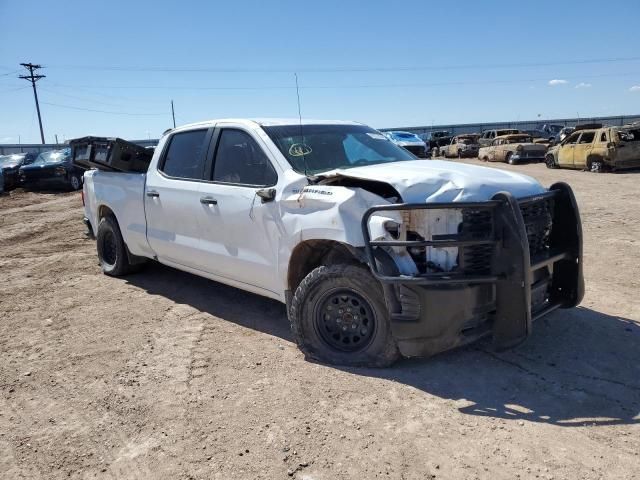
[228, 303]
[579, 367]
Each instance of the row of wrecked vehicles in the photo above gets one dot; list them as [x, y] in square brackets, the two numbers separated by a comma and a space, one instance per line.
[592, 147]
[51, 169]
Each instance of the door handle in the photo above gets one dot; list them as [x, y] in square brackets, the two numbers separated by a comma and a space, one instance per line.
[208, 201]
[153, 194]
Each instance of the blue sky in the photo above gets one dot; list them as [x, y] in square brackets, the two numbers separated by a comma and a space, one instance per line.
[380, 62]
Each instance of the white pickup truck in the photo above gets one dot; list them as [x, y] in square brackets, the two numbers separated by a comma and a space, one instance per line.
[376, 253]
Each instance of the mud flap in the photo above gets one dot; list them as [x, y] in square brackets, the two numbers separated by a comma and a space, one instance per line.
[512, 322]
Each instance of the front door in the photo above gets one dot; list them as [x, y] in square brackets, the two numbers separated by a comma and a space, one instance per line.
[239, 230]
[172, 198]
[565, 152]
[583, 148]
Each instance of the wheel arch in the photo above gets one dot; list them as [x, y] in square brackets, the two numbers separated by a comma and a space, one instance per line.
[312, 253]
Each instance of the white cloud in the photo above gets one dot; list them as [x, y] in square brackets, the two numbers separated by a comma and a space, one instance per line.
[635, 88]
[556, 81]
[583, 85]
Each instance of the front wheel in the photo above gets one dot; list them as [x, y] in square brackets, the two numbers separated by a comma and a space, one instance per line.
[550, 162]
[338, 316]
[509, 159]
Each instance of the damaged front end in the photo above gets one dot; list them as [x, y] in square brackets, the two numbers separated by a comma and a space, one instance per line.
[454, 272]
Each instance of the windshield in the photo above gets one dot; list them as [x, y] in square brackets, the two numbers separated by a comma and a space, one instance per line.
[11, 159]
[405, 136]
[319, 148]
[523, 139]
[55, 156]
[506, 132]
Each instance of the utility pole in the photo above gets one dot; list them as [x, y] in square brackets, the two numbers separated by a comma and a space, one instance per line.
[173, 114]
[33, 79]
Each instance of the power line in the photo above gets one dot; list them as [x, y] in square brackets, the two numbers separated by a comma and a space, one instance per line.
[352, 86]
[405, 68]
[103, 111]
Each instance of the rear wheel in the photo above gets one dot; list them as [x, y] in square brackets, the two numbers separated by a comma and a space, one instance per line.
[596, 166]
[112, 251]
[338, 316]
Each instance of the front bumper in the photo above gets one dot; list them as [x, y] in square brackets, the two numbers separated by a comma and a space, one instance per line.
[528, 156]
[526, 263]
[469, 152]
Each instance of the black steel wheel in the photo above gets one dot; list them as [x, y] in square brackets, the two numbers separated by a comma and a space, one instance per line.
[109, 248]
[338, 315]
[344, 320]
[112, 251]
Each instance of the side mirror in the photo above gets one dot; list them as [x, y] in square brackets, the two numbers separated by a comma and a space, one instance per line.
[266, 194]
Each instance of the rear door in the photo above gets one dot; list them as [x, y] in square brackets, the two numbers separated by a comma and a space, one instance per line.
[583, 148]
[172, 198]
[239, 230]
[565, 152]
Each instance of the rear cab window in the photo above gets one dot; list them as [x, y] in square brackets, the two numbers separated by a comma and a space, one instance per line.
[184, 157]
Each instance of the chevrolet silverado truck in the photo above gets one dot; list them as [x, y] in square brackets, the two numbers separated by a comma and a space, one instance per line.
[375, 253]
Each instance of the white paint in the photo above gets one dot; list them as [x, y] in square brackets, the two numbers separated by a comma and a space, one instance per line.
[247, 244]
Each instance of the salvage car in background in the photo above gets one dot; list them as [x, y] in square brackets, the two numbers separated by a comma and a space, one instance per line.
[409, 141]
[375, 253]
[488, 136]
[436, 140]
[597, 150]
[513, 149]
[10, 167]
[462, 146]
[52, 169]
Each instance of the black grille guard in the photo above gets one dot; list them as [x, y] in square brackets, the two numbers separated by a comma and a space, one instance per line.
[513, 268]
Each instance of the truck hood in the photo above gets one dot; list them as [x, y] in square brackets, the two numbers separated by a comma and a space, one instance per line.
[420, 181]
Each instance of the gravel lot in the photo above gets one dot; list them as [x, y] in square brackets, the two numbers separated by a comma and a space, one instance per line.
[167, 375]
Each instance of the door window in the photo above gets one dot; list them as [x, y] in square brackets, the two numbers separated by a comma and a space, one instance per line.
[603, 137]
[240, 160]
[587, 137]
[185, 155]
[573, 139]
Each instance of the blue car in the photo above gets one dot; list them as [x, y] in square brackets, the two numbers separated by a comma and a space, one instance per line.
[52, 169]
[408, 141]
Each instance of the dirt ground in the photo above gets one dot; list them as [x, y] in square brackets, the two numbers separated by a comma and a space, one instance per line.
[166, 375]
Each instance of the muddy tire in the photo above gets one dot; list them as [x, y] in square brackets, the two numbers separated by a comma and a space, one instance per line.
[509, 158]
[550, 162]
[112, 251]
[338, 316]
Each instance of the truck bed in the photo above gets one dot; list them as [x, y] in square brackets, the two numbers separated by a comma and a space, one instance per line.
[123, 194]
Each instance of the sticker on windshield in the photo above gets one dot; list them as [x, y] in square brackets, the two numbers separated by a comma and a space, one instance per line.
[377, 136]
[299, 149]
